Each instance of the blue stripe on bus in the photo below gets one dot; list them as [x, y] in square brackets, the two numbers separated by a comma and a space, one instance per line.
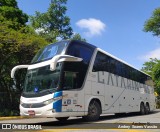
[57, 105]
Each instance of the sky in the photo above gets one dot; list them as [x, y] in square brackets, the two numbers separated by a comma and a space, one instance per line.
[115, 26]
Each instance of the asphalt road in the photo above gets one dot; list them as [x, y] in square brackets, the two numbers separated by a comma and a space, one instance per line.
[106, 122]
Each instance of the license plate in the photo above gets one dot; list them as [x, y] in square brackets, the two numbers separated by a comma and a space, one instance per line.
[31, 112]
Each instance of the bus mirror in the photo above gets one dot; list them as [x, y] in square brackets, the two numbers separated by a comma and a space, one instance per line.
[16, 68]
[62, 58]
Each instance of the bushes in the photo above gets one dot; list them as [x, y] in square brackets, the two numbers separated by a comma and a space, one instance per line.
[158, 102]
[16, 47]
[8, 112]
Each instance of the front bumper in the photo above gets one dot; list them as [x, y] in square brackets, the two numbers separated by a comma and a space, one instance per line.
[45, 111]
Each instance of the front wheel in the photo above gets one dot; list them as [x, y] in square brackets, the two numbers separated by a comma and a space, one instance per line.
[62, 118]
[94, 111]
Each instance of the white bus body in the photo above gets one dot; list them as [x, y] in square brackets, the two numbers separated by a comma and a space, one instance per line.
[91, 82]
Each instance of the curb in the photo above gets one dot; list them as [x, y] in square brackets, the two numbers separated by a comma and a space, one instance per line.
[14, 117]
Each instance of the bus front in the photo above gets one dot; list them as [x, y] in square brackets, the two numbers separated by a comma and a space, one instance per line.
[42, 93]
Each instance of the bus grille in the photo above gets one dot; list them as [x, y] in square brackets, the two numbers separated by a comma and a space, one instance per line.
[34, 105]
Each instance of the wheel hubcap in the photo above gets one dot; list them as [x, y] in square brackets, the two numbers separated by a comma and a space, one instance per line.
[142, 109]
[93, 110]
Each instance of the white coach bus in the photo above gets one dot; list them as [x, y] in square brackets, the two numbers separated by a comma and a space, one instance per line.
[74, 78]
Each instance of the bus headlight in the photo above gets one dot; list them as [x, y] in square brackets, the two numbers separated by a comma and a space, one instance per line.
[48, 101]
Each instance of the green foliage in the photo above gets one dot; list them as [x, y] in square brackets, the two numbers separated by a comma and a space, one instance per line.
[77, 36]
[153, 24]
[18, 44]
[148, 66]
[54, 23]
[152, 68]
[16, 47]
[156, 76]
[12, 3]
[9, 11]
[7, 112]
[158, 102]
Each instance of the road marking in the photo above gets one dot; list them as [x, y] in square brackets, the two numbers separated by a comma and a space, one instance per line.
[14, 117]
[89, 130]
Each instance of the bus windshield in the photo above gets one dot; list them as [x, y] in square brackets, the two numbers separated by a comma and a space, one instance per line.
[49, 51]
[42, 79]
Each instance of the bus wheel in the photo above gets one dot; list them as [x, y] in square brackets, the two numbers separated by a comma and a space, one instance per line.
[142, 109]
[147, 109]
[62, 118]
[94, 111]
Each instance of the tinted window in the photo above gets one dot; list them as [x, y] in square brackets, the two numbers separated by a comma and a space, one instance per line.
[75, 72]
[106, 63]
[80, 51]
[49, 51]
[101, 63]
[41, 79]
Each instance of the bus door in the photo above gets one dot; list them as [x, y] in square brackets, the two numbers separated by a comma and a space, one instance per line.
[73, 97]
[70, 94]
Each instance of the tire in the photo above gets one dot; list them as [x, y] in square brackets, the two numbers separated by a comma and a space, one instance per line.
[147, 109]
[142, 109]
[62, 118]
[94, 111]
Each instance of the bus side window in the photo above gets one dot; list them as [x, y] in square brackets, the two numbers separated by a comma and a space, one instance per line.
[100, 63]
[103, 63]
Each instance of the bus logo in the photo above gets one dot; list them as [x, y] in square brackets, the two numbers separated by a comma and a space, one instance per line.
[68, 101]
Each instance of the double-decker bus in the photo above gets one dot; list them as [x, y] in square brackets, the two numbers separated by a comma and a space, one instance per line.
[74, 78]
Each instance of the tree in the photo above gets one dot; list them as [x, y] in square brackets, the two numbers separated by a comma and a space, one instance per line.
[18, 44]
[152, 68]
[9, 11]
[148, 66]
[156, 76]
[54, 23]
[153, 23]
[77, 36]
[16, 47]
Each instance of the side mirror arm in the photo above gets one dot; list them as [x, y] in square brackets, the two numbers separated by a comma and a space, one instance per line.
[61, 58]
[17, 68]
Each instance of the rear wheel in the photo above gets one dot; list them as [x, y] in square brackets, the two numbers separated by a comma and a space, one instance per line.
[62, 118]
[94, 111]
[147, 109]
[142, 109]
